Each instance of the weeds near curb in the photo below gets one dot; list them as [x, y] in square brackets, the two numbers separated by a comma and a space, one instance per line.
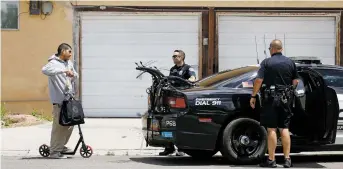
[4, 112]
[40, 115]
[110, 153]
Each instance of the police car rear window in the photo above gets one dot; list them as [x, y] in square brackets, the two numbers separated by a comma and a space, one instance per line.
[332, 77]
[225, 75]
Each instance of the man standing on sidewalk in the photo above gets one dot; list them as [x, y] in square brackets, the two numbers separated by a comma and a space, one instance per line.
[61, 74]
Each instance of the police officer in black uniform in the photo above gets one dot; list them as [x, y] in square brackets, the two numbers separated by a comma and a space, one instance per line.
[182, 70]
[277, 79]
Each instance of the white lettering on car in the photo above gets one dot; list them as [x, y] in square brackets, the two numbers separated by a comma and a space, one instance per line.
[171, 123]
[208, 101]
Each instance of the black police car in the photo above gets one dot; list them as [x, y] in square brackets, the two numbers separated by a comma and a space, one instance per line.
[213, 115]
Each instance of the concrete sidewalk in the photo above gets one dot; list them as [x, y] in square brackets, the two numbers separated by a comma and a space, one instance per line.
[105, 136]
[111, 137]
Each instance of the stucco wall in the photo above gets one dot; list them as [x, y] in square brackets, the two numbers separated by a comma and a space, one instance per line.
[25, 51]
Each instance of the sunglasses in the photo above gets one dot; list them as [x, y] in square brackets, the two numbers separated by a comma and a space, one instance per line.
[175, 56]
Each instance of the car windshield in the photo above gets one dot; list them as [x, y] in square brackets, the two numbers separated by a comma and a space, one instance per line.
[225, 75]
[332, 77]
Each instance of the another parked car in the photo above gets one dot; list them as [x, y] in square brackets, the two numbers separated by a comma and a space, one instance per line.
[214, 114]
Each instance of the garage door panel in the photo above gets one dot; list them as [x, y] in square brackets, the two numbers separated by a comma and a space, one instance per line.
[111, 44]
[141, 51]
[301, 36]
[233, 51]
[110, 16]
[115, 88]
[154, 39]
[109, 75]
[235, 63]
[287, 41]
[125, 112]
[275, 26]
[129, 63]
[140, 26]
[114, 102]
[101, 75]
[310, 50]
[248, 35]
[322, 35]
[274, 18]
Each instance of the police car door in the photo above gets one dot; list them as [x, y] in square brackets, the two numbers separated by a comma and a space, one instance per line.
[324, 108]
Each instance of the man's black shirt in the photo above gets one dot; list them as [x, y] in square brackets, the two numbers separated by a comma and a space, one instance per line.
[185, 71]
[278, 65]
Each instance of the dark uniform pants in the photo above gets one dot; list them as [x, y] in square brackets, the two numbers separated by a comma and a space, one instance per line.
[275, 114]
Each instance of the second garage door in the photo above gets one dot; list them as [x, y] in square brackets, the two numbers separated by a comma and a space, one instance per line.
[244, 39]
[113, 42]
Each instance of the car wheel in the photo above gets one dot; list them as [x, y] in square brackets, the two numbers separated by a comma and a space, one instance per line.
[244, 141]
[200, 154]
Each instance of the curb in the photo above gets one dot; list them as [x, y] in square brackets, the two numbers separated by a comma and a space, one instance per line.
[96, 152]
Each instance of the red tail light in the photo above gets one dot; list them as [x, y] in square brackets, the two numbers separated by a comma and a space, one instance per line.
[177, 102]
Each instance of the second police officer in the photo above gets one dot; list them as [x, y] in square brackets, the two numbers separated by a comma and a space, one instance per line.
[182, 70]
[277, 78]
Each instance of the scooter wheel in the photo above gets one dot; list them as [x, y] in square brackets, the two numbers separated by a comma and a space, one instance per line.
[44, 150]
[86, 153]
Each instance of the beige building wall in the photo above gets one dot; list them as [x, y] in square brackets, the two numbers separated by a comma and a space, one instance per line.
[25, 51]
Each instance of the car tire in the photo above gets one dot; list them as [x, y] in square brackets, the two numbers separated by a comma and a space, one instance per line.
[200, 154]
[232, 147]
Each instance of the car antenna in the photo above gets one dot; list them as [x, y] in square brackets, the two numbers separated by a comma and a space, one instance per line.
[258, 61]
[264, 41]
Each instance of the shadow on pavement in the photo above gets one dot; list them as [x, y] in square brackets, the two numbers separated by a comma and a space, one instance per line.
[308, 161]
[41, 158]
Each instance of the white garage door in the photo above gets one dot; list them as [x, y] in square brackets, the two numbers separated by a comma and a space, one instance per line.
[301, 36]
[113, 42]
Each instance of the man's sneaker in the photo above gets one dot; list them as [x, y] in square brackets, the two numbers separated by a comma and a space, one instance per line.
[288, 163]
[179, 153]
[66, 149]
[57, 155]
[268, 164]
[166, 152]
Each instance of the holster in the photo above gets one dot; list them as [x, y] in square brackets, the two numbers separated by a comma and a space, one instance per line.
[278, 95]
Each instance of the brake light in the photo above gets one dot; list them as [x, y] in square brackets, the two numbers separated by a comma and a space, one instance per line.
[177, 102]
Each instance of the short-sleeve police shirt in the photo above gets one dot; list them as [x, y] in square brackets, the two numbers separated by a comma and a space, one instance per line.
[185, 71]
[278, 65]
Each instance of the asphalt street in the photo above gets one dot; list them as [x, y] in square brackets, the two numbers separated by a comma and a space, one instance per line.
[151, 162]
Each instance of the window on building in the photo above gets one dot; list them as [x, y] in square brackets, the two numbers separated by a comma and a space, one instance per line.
[9, 14]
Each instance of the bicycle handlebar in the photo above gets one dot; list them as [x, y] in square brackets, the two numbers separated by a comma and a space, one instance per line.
[152, 71]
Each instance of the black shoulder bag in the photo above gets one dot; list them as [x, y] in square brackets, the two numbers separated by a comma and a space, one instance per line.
[71, 112]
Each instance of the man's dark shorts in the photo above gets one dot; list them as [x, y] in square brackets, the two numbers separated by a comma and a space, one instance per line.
[273, 116]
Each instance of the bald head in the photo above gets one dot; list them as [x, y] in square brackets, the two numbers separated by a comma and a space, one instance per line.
[275, 47]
